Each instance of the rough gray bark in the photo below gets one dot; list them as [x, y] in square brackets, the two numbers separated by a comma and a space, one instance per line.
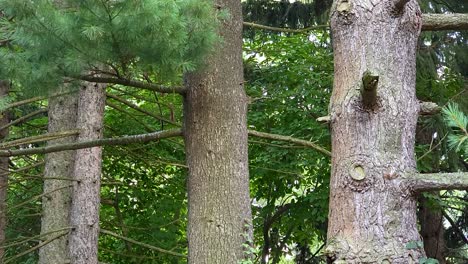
[215, 127]
[56, 205]
[84, 214]
[4, 89]
[372, 216]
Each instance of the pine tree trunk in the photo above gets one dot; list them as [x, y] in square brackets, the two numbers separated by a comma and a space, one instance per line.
[84, 216]
[4, 89]
[215, 128]
[56, 205]
[432, 230]
[374, 110]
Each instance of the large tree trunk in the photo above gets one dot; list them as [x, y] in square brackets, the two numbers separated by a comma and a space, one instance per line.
[84, 215]
[4, 89]
[56, 205]
[374, 110]
[219, 223]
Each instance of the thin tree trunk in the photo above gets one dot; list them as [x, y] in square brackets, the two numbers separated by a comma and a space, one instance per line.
[4, 89]
[432, 230]
[84, 215]
[215, 107]
[56, 206]
[374, 110]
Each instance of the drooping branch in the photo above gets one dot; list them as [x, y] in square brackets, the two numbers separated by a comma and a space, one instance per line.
[290, 139]
[435, 22]
[142, 138]
[420, 182]
[431, 22]
[142, 244]
[134, 83]
[370, 82]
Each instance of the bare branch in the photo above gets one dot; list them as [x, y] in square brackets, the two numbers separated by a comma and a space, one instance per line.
[139, 109]
[286, 30]
[136, 84]
[420, 182]
[40, 138]
[142, 138]
[290, 139]
[24, 118]
[142, 244]
[435, 22]
[36, 247]
[431, 22]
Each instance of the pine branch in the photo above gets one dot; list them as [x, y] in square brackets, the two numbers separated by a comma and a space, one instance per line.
[435, 22]
[134, 83]
[423, 182]
[107, 232]
[36, 247]
[290, 139]
[139, 109]
[431, 22]
[24, 118]
[40, 138]
[142, 138]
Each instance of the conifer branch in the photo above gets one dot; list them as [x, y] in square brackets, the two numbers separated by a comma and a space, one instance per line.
[286, 30]
[23, 102]
[40, 138]
[134, 83]
[36, 247]
[139, 109]
[142, 138]
[290, 139]
[431, 22]
[23, 118]
[435, 22]
[107, 232]
[422, 182]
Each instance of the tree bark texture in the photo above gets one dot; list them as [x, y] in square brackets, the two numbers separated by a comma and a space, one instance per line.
[215, 128]
[84, 214]
[4, 89]
[56, 205]
[372, 216]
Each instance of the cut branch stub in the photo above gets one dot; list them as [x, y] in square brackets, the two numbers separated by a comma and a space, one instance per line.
[357, 173]
[428, 108]
[369, 89]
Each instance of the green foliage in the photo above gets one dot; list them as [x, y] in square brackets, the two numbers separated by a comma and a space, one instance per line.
[289, 80]
[49, 41]
[458, 121]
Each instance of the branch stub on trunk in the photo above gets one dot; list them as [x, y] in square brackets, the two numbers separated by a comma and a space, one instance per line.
[369, 89]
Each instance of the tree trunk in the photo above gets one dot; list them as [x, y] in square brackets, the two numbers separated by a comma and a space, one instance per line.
[4, 89]
[84, 216]
[374, 110]
[432, 230]
[56, 205]
[215, 128]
